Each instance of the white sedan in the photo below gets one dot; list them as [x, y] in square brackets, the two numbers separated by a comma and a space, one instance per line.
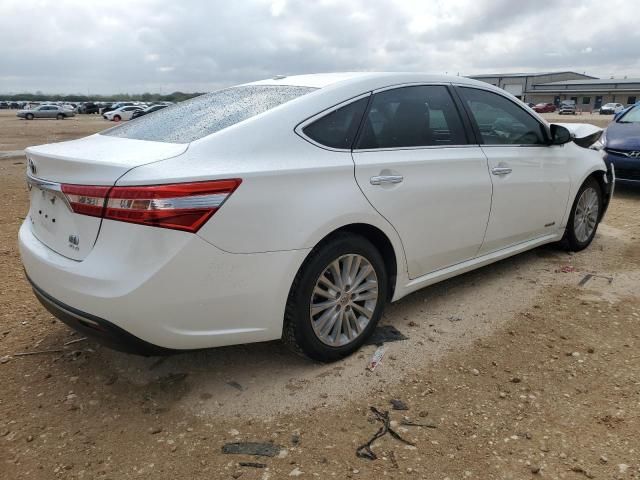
[296, 207]
[122, 113]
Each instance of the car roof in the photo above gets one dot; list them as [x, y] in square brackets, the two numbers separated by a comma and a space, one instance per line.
[365, 79]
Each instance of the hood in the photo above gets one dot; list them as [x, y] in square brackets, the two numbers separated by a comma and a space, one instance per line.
[623, 136]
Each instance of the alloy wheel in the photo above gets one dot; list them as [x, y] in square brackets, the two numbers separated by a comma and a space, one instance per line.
[585, 218]
[344, 299]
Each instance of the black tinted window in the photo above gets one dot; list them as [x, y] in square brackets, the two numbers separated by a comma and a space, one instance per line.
[412, 117]
[338, 128]
[201, 116]
[501, 121]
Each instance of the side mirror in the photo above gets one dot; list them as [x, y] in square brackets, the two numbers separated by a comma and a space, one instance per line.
[560, 135]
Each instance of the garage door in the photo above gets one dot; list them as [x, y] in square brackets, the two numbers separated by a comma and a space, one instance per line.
[514, 89]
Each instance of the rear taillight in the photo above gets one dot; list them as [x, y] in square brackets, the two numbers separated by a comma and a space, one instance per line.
[182, 206]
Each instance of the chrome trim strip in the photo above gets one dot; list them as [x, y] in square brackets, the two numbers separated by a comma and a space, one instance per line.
[43, 184]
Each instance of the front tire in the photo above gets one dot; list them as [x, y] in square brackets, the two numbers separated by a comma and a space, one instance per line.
[60, 116]
[336, 299]
[29, 116]
[117, 118]
[585, 216]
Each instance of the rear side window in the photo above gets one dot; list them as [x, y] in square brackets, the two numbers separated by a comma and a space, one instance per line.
[421, 116]
[338, 128]
[501, 121]
[201, 116]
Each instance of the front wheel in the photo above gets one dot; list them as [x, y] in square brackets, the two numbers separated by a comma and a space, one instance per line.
[29, 116]
[585, 216]
[60, 116]
[336, 299]
[117, 118]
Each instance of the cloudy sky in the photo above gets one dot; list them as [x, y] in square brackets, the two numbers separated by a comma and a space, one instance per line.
[96, 46]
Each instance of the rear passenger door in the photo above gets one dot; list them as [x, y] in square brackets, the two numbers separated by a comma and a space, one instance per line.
[419, 169]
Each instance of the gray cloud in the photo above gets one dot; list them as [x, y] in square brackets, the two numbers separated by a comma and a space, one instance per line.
[74, 46]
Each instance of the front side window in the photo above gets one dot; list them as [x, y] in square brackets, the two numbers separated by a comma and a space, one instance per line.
[201, 116]
[501, 121]
[420, 116]
[338, 128]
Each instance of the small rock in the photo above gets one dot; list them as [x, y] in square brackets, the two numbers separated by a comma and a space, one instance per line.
[399, 405]
[623, 467]
[154, 430]
[296, 472]
[412, 324]
[516, 380]
[30, 438]
[475, 372]
[295, 439]
[502, 395]
[5, 359]
[535, 469]
[604, 459]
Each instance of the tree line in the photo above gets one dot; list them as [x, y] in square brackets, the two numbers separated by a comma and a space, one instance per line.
[144, 97]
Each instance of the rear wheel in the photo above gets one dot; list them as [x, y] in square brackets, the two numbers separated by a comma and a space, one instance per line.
[117, 118]
[29, 116]
[60, 116]
[585, 216]
[336, 299]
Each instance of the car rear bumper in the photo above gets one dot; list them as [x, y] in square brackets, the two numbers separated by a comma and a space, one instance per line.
[160, 289]
[97, 328]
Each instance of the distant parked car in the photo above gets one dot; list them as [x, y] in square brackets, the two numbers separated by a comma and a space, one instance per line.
[4, 105]
[151, 109]
[46, 111]
[544, 107]
[567, 108]
[621, 143]
[611, 108]
[115, 106]
[89, 108]
[122, 113]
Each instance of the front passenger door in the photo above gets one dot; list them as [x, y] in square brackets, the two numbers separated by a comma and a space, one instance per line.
[530, 177]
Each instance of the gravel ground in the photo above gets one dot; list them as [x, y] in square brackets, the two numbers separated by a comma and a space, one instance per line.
[514, 371]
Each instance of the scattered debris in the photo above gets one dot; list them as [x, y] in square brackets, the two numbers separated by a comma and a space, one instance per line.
[296, 472]
[171, 378]
[455, 318]
[5, 359]
[392, 457]
[236, 385]
[74, 341]
[154, 430]
[579, 469]
[566, 269]
[410, 423]
[398, 404]
[376, 359]
[252, 464]
[38, 352]
[259, 449]
[385, 334]
[364, 451]
[589, 276]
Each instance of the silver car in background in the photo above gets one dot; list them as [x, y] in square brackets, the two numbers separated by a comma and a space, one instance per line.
[46, 111]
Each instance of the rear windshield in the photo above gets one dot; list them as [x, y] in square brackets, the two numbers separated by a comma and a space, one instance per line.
[201, 116]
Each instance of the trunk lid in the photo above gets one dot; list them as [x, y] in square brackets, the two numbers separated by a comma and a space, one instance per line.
[94, 160]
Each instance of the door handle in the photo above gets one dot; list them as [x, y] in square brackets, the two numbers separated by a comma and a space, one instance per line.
[386, 179]
[501, 170]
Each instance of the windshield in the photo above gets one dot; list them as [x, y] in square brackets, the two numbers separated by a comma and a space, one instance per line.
[201, 116]
[632, 116]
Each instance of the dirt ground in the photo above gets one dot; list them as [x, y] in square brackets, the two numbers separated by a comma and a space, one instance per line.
[523, 369]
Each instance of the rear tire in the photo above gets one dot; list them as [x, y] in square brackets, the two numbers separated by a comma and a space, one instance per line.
[29, 116]
[117, 118]
[330, 315]
[585, 216]
[60, 116]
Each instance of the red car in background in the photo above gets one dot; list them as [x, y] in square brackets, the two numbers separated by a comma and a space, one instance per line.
[544, 107]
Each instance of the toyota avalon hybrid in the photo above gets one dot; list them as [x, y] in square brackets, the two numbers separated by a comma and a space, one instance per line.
[296, 207]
